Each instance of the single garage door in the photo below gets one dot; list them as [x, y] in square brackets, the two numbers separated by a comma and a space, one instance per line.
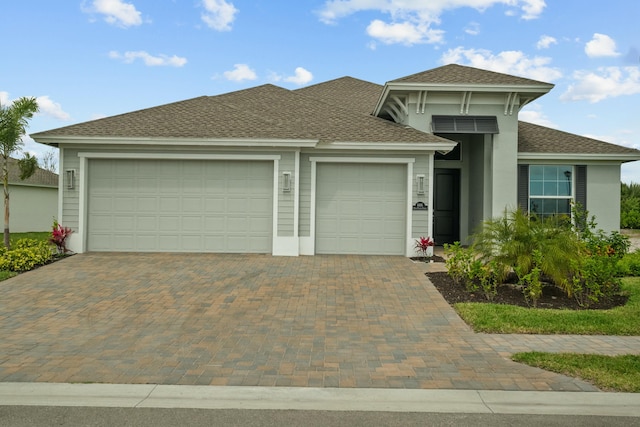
[361, 209]
[180, 205]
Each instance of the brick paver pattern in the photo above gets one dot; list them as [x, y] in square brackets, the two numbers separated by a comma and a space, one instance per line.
[255, 320]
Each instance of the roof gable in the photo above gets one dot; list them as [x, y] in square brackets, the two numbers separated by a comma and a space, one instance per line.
[454, 74]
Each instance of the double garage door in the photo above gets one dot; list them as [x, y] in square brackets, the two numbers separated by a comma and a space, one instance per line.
[180, 205]
[361, 209]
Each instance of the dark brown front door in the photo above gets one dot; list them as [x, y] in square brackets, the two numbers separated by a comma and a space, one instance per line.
[446, 211]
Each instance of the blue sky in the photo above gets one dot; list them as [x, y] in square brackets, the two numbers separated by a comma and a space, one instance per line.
[85, 59]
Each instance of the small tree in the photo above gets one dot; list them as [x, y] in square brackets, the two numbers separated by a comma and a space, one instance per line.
[49, 161]
[13, 123]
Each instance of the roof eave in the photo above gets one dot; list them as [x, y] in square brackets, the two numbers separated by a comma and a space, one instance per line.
[442, 147]
[611, 157]
[209, 142]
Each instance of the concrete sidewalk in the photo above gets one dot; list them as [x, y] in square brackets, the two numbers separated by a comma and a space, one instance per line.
[325, 399]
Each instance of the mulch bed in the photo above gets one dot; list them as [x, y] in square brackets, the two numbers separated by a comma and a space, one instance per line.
[552, 297]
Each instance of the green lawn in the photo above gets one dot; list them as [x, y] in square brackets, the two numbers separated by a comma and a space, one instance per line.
[506, 319]
[612, 373]
[38, 235]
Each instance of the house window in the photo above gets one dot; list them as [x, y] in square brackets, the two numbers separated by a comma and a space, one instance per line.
[550, 190]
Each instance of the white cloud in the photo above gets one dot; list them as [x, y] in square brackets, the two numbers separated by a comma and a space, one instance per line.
[532, 9]
[240, 73]
[606, 82]
[116, 12]
[601, 45]
[301, 77]
[404, 33]
[219, 14]
[46, 106]
[545, 42]
[510, 62]
[148, 59]
[472, 29]
[534, 114]
[411, 21]
[52, 109]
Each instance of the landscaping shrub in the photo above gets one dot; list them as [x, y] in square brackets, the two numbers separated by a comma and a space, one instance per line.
[630, 206]
[576, 257]
[25, 255]
[629, 265]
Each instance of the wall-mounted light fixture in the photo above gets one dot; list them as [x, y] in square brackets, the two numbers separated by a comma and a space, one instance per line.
[286, 182]
[420, 183]
[71, 178]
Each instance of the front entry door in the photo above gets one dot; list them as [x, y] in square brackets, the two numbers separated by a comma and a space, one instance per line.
[446, 211]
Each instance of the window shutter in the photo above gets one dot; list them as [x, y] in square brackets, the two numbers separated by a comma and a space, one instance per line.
[523, 187]
[581, 185]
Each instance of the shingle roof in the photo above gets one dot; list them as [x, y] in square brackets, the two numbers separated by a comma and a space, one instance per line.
[539, 139]
[460, 74]
[263, 112]
[41, 177]
[348, 92]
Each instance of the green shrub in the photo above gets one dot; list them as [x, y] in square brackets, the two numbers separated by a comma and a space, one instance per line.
[575, 256]
[630, 206]
[513, 239]
[531, 281]
[25, 255]
[629, 265]
[460, 263]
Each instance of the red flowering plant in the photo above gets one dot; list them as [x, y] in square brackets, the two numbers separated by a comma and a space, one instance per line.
[423, 244]
[59, 236]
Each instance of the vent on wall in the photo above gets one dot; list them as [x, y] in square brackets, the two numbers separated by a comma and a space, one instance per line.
[464, 124]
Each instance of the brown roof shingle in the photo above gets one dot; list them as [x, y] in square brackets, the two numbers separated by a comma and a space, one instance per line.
[262, 112]
[347, 92]
[460, 74]
[539, 139]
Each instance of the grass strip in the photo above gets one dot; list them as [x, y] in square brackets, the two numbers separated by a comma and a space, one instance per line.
[609, 373]
[507, 319]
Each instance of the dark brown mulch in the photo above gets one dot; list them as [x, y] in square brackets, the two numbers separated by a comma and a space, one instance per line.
[552, 297]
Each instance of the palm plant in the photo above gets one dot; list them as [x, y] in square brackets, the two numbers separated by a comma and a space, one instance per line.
[512, 240]
[13, 123]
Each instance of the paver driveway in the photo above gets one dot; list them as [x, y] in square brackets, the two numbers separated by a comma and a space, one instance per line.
[327, 321]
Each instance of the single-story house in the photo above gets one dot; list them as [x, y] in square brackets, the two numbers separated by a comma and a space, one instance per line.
[341, 167]
[33, 202]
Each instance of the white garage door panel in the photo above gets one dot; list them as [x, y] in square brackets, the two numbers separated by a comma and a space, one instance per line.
[180, 205]
[361, 208]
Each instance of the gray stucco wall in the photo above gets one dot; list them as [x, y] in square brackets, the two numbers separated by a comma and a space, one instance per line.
[32, 208]
[603, 195]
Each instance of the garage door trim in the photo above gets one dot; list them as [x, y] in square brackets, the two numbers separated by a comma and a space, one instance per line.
[82, 234]
[385, 160]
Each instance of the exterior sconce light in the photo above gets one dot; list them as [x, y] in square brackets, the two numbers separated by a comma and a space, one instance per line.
[420, 183]
[71, 179]
[286, 182]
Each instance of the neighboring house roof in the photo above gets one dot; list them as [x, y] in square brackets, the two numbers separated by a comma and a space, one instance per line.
[263, 112]
[41, 177]
[455, 74]
[540, 139]
[347, 92]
